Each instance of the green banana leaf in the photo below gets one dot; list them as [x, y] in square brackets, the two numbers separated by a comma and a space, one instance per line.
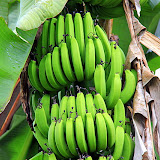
[17, 143]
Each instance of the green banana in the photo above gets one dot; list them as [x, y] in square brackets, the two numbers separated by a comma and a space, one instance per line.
[79, 35]
[119, 114]
[100, 81]
[52, 35]
[38, 156]
[101, 132]
[51, 139]
[71, 107]
[33, 76]
[60, 140]
[100, 103]
[90, 106]
[88, 158]
[60, 31]
[129, 88]
[41, 120]
[105, 42]
[54, 111]
[110, 157]
[80, 135]
[49, 72]
[57, 68]
[81, 106]
[35, 99]
[89, 60]
[45, 33]
[111, 134]
[66, 63]
[115, 92]
[49, 156]
[70, 136]
[90, 132]
[76, 60]
[42, 75]
[118, 148]
[102, 158]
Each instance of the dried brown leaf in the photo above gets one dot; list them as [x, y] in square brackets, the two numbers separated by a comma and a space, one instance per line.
[137, 6]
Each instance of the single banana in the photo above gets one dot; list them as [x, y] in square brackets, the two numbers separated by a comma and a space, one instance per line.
[76, 60]
[106, 44]
[81, 106]
[45, 34]
[90, 132]
[57, 68]
[102, 158]
[60, 140]
[118, 148]
[88, 158]
[38, 156]
[116, 64]
[51, 139]
[127, 148]
[42, 76]
[119, 114]
[33, 76]
[115, 92]
[100, 55]
[70, 136]
[111, 134]
[129, 88]
[49, 72]
[80, 135]
[41, 120]
[51, 156]
[66, 63]
[52, 35]
[60, 30]
[42, 141]
[135, 74]
[46, 102]
[54, 111]
[99, 80]
[88, 26]
[101, 132]
[100, 103]
[90, 105]
[89, 60]
[71, 107]
[79, 35]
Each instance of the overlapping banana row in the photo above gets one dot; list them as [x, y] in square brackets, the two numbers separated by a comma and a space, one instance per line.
[81, 125]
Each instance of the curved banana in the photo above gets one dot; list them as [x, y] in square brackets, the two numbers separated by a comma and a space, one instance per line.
[118, 143]
[60, 30]
[102, 158]
[116, 64]
[111, 134]
[79, 35]
[80, 135]
[54, 112]
[51, 139]
[76, 60]
[90, 131]
[52, 35]
[45, 33]
[101, 132]
[49, 72]
[71, 107]
[51, 156]
[89, 60]
[38, 156]
[115, 92]
[90, 106]
[119, 114]
[106, 44]
[41, 120]
[81, 106]
[127, 148]
[57, 68]
[60, 140]
[42, 141]
[88, 158]
[66, 63]
[70, 136]
[129, 88]
[42, 76]
[100, 81]
[100, 55]
[100, 103]
[33, 76]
